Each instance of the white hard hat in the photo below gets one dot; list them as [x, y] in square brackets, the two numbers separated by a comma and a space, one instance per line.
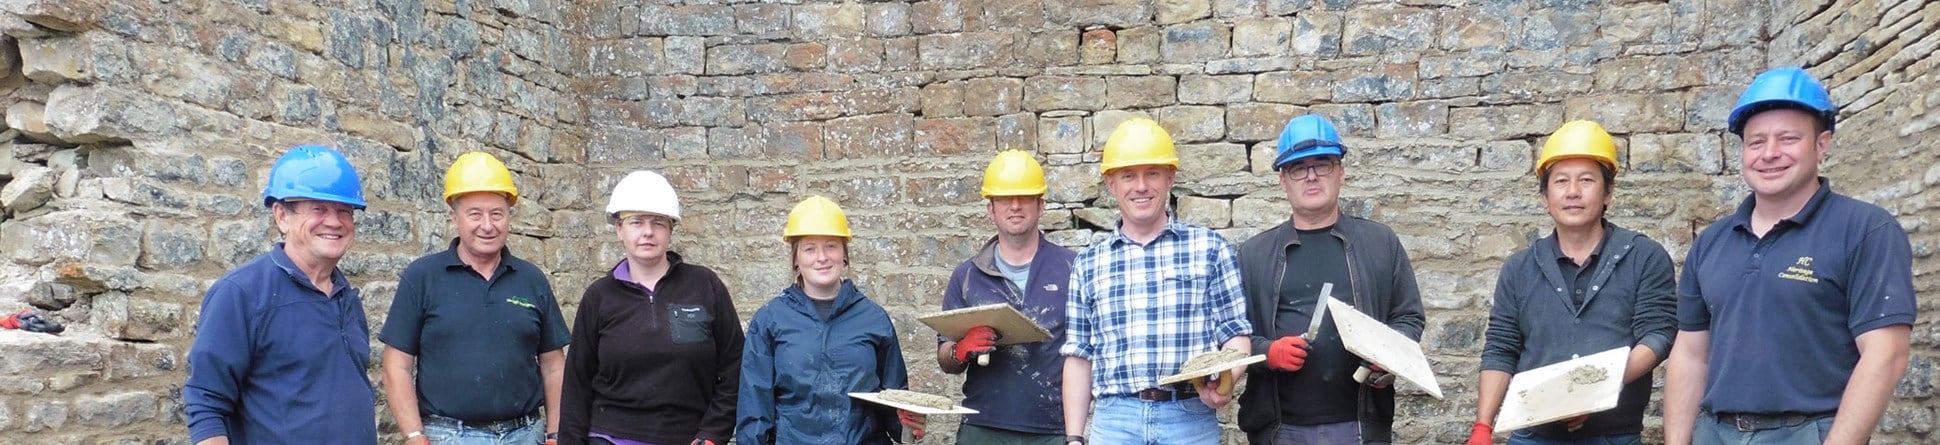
[644, 191]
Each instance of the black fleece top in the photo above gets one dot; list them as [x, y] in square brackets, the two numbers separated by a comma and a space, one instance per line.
[661, 366]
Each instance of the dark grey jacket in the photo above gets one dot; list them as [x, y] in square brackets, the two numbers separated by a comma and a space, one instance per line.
[1384, 288]
[1632, 300]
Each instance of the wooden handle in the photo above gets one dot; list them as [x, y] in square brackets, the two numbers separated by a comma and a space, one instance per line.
[1360, 375]
[983, 359]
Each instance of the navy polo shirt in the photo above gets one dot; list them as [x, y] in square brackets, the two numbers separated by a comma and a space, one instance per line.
[476, 340]
[1798, 296]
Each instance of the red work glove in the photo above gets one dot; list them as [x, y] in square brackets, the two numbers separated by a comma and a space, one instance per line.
[1378, 378]
[1479, 435]
[1287, 354]
[979, 339]
[913, 422]
[699, 441]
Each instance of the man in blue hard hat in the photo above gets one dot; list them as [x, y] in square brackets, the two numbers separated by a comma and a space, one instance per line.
[282, 346]
[1304, 393]
[1798, 275]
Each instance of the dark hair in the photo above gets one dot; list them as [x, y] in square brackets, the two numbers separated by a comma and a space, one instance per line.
[1609, 179]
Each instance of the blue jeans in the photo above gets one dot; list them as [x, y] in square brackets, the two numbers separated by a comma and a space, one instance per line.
[443, 432]
[1126, 420]
[1711, 431]
[1348, 432]
[1525, 437]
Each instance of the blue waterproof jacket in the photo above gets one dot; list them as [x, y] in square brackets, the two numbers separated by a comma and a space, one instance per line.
[797, 371]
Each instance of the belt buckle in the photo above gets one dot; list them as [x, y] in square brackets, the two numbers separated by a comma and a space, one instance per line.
[1744, 424]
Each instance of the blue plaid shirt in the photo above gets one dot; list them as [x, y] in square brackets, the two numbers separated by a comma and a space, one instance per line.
[1139, 311]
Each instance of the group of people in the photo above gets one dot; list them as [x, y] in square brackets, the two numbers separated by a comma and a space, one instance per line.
[476, 345]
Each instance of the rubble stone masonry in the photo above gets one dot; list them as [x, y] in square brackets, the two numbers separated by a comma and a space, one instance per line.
[138, 134]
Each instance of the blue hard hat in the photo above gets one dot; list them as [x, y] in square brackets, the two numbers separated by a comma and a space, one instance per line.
[314, 172]
[1783, 87]
[1305, 137]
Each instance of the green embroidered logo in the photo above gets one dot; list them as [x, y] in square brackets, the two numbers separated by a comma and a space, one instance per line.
[520, 301]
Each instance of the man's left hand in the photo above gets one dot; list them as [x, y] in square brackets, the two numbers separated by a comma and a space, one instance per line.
[913, 422]
[1576, 423]
[1215, 390]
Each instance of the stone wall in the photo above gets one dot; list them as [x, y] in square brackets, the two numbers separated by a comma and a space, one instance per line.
[140, 132]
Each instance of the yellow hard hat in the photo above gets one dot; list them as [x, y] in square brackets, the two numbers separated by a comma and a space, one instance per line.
[816, 216]
[479, 172]
[1578, 139]
[1013, 173]
[1139, 141]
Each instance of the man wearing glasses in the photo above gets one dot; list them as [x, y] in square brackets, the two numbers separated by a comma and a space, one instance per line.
[467, 324]
[1305, 393]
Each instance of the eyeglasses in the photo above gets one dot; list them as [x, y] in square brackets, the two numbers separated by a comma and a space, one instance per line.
[1304, 171]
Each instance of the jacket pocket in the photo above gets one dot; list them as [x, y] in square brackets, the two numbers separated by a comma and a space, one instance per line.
[690, 323]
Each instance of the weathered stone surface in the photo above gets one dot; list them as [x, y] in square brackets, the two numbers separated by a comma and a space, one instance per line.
[168, 245]
[1122, 92]
[1062, 135]
[1112, 13]
[1506, 122]
[1046, 93]
[1207, 212]
[1628, 113]
[1271, 36]
[1098, 46]
[1380, 84]
[1048, 49]
[60, 15]
[114, 410]
[103, 114]
[57, 59]
[1372, 31]
[992, 96]
[938, 16]
[867, 136]
[965, 50]
[1293, 87]
[1139, 45]
[132, 318]
[1193, 124]
[30, 188]
[1257, 121]
[1676, 153]
[955, 136]
[1195, 42]
[1411, 119]
[1198, 89]
[1181, 11]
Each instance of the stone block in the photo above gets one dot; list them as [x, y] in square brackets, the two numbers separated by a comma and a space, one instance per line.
[826, 21]
[1107, 13]
[1293, 87]
[1018, 130]
[170, 245]
[992, 96]
[1630, 113]
[747, 59]
[57, 59]
[60, 15]
[1503, 122]
[899, 54]
[684, 54]
[1072, 183]
[1181, 11]
[1102, 218]
[115, 410]
[860, 137]
[1482, 31]
[1676, 153]
[44, 415]
[956, 135]
[1199, 162]
[940, 16]
[1227, 89]
[1515, 156]
[1377, 84]
[235, 242]
[1139, 45]
[688, 20]
[1317, 33]
[1062, 135]
[614, 144]
[100, 114]
[1410, 119]
[1106, 121]
[1046, 93]
[887, 19]
[965, 50]
[807, 56]
[1269, 36]
[1353, 120]
[1374, 31]
[1098, 46]
[126, 317]
[764, 19]
[1123, 92]
[855, 55]
[1207, 212]
[1537, 85]
[950, 191]
[1195, 42]
[820, 106]
[1707, 109]
[30, 188]
[1053, 48]
[1193, 124]
[692, 142]
[1261, 209]
[379, 128]
[50, 295]
[943, 99]
[1018, 14]
[1258, 121]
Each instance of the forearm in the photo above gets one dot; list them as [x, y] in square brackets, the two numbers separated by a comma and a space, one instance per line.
[1491, 387]
[1684, 385]
[947, 360]
[1077, 394]
[218, 440]
[400, 391]
[552, 365]
[1641, 362]
[1883, 355]
[1239, 343]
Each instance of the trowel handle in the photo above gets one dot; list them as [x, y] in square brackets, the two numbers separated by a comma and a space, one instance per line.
[983, 359]
[1360, 375]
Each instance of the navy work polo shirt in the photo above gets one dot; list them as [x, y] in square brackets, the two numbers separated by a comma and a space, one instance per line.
[1799, 296]
[476, 340]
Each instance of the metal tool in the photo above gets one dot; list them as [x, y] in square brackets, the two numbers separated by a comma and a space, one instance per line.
[1320, 314]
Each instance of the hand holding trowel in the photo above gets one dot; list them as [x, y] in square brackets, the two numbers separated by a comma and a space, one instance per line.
[979, 330]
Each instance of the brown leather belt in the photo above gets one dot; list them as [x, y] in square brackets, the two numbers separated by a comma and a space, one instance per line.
[1167, 393]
